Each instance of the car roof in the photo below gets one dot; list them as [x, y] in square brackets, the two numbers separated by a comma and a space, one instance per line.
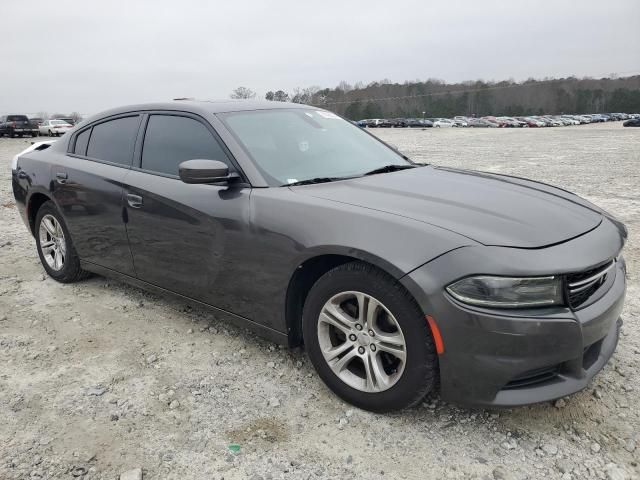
[209, 106]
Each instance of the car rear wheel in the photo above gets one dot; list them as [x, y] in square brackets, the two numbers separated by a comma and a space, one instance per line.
[368, 339]
[55, 248]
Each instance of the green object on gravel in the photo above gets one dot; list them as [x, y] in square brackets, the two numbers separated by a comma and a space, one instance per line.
[234, 447]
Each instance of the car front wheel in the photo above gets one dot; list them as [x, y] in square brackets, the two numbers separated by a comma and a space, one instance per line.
[368, 339]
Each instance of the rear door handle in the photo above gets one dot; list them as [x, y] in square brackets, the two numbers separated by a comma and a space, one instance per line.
[134, 201]
[61, 177]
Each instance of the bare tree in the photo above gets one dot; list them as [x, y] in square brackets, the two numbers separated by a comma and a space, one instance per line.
[344, 86]
[243, 92]
[76, 117]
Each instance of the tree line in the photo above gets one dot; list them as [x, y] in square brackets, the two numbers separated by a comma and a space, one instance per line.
[435, 98]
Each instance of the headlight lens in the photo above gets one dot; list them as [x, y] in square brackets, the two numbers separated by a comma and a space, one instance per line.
[508, 292]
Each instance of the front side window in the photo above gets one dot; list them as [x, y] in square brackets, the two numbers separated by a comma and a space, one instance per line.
[170, 140]
[293, 145]
[113, 141]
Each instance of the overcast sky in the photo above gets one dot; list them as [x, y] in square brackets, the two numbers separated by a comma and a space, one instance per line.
[82, 55]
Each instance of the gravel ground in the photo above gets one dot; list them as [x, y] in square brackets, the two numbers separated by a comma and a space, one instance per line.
[99, 378]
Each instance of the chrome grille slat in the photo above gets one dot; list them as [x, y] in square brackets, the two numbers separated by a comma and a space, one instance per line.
[582, 285]
[594, 277]
[585, 286]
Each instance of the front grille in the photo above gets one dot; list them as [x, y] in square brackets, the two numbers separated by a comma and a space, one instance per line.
[532, 377]
[580, 286]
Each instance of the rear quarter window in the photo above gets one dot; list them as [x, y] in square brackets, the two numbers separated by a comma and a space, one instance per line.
[113, 141]
[82, 140]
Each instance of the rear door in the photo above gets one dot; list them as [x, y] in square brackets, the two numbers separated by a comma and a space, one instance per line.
[190, 239]
[88, 188]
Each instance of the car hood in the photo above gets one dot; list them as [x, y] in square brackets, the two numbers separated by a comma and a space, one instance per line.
[488, 208]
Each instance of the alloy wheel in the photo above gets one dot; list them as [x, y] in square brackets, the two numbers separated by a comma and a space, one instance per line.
[361, 341]
[52, 242]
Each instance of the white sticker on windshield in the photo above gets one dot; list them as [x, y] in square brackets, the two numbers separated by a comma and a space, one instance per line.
[292, 180]
[327, 114]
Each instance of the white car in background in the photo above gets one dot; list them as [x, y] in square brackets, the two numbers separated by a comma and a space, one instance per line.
[54, 128]
[444, 122]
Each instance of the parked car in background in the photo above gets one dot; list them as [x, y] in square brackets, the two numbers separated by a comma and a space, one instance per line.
[419, 123]
[481, 123]
[632, 122]
[54, 128]
[37, 121]
[444, 123]
[531, 122]
[398, 122]
[503, 121]
[69, 120]
[508, 122]
[17, 126]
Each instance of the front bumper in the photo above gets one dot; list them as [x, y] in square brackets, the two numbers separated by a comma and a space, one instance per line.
[504, 358]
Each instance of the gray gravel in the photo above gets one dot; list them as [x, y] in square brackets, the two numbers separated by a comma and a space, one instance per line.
[99, 378]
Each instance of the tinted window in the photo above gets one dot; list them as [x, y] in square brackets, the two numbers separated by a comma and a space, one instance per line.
[81, 142]
[17, 118]
[170, 140]
[113, 141]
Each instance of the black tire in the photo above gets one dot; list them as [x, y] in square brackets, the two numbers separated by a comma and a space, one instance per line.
[420, 373]
[70, 271]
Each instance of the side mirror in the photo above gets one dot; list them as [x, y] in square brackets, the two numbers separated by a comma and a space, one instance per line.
[205, 171]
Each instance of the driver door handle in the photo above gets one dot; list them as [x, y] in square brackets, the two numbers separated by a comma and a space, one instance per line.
[134, 201]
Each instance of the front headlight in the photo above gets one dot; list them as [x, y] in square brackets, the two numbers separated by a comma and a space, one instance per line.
[508, 292]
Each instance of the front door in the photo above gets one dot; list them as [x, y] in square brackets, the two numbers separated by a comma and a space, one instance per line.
[185, 238]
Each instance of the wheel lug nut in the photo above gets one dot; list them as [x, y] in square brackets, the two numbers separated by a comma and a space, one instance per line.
[358, 326]
[373, 348]
[352, 337]
[360, 350]
[371, 333]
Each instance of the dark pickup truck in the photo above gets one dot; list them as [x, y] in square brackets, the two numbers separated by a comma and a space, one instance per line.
[17, 126]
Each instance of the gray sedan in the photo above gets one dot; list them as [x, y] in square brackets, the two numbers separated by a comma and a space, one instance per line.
[396, 277]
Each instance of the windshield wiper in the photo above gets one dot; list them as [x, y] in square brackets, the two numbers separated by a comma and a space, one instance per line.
[311, 181]
[390, 168]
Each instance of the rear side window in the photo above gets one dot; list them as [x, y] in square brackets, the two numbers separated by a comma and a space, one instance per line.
[82, 139]
[113, 141]
[170, 140]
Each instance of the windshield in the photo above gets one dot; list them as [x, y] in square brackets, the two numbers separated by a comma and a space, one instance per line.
[58, 122]
[293, 145]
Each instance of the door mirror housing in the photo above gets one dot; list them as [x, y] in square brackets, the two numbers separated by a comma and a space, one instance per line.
[205, 171]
